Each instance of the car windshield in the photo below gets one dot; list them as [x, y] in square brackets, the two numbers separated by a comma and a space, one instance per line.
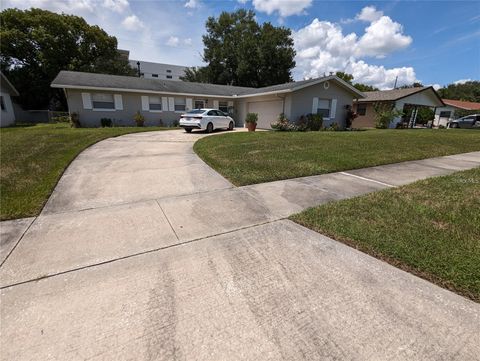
[196, 111]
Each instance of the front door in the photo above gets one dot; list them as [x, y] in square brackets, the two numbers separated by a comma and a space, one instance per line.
[199, 104]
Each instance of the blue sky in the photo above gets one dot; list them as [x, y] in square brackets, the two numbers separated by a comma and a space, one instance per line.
[435, 42]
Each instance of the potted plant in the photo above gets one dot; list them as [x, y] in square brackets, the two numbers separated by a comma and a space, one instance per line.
[251, 121]
[139, 119]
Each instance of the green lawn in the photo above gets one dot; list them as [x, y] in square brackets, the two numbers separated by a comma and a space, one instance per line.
[430, 228]
[249, 158]
[32, 159]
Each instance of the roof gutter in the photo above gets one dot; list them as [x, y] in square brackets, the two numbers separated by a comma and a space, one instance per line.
[80, 87]
[261, 94]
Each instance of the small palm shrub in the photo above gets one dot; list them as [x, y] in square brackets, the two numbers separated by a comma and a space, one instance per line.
[139, 119]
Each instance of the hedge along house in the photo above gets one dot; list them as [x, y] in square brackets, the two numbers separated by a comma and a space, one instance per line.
[96, 96]
[407, 100]
[454, 109]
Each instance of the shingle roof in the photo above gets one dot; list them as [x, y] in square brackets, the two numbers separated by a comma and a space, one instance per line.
[462, 105]
[80, 79]
[390, 95]
[71, 79]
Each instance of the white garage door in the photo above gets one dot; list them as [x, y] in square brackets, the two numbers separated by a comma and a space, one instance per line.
[268, 112]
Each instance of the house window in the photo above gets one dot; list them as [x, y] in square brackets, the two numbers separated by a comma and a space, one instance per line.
[154, 75]
[169, 77]
[155, 103]
[2, 103]
[324, 108]
[169, 71]
[179, 104]
[103, 101]
[223, 106]
[445, 114]
[361, 109]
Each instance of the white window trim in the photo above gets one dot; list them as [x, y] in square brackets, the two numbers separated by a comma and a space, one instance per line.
[103, 110]
[185, 104]
[331, 104]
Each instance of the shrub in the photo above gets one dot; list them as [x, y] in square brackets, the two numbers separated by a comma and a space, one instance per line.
[175, 123]
[106, 122]
[315, 122]
[309, 122]
[333, 127]
[139, 119]
[75, 120]
[61, 119]
[283, 124]
[251, 118]
[384, 114]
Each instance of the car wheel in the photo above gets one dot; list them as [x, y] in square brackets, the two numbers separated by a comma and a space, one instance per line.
[188, 130]
[230, 126]
[209, 127]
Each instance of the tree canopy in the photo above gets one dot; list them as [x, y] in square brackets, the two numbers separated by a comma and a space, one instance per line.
[37, 44]
[469, 91]
[349, 79]
[239, 51]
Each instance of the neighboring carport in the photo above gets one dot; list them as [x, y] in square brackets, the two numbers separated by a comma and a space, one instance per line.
[408, 101]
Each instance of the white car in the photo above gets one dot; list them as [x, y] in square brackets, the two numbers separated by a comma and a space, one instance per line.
[206, 119]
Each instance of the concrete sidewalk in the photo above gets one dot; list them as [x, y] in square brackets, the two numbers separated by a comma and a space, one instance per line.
[144, 252]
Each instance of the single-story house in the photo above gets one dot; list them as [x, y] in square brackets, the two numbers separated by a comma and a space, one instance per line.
[451, 110]
[400, 99]
[7, 114]
[96, 96]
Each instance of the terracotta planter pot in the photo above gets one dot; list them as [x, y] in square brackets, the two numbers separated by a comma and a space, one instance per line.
[251, 127]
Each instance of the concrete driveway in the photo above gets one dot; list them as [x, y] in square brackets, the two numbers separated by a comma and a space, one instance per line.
[143, 252]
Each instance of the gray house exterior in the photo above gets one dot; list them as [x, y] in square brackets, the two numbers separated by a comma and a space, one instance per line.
[97, 96]
[7, 114]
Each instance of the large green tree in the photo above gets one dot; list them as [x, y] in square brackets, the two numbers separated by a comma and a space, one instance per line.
[239, 51]
[349, 79]
[468, 91]
[36, 44]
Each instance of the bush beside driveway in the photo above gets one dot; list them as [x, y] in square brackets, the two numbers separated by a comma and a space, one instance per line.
[250, 158]
[34, 157]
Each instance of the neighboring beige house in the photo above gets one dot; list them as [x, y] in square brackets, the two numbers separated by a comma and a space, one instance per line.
[96, 96]
[400, 99]
[443, 115]
[7, 115]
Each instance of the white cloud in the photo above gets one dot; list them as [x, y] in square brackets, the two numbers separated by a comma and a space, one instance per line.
[322, 48]
[382, 37]
[77, 7]
[369, 14]
[191, 4]
[283, 7]
[118, 6]
[173, 41]
[243, 2]
[462, 81]
[133, 23]
[435, 86]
